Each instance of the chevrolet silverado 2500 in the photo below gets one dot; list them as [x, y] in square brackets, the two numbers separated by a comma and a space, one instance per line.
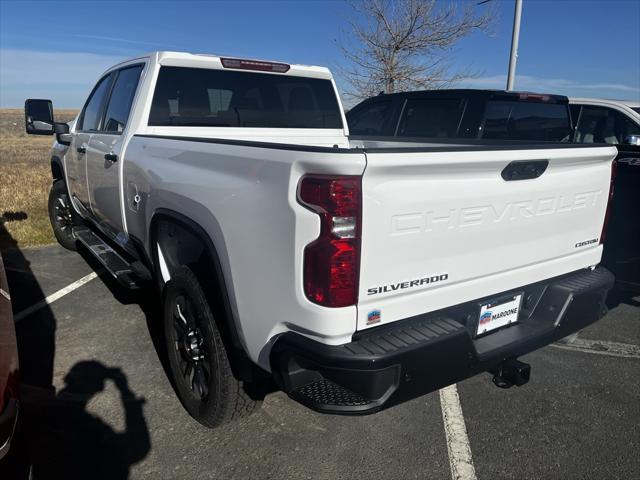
[356, 274]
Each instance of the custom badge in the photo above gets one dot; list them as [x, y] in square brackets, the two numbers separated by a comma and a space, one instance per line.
[373, 317]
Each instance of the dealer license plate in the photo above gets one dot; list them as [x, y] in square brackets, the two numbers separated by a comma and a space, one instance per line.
[499, 313]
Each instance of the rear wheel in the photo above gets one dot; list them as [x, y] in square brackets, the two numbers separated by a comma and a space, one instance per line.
[62, 215]
[198, 361]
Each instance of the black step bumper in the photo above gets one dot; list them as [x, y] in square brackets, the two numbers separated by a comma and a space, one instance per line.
[393, 363]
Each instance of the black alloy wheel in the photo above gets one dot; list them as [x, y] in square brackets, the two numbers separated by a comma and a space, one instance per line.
[62, 215]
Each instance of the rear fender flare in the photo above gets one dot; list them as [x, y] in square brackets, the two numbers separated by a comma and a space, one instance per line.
[197, 244]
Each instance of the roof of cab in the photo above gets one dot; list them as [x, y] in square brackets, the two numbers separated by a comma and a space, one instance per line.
[626, 103]
[197, 60]
[476, 92]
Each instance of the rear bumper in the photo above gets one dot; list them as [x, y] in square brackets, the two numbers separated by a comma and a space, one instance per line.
[390, 364]
[8, 421]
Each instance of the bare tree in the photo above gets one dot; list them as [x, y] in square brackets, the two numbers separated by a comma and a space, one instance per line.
[400, 45]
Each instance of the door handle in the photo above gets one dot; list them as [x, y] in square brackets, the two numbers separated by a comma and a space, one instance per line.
[111, 157]
[81, 150]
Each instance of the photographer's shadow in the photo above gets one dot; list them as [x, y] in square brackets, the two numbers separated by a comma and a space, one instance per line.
[71, 442]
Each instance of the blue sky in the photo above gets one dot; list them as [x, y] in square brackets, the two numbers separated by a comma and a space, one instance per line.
[56, 49]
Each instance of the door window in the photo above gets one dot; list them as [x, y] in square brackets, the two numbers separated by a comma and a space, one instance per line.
[575, 114]
[370, 119]
[436, 118]
[629, 127]
[92, 113]
[604, 125]
[121, 99]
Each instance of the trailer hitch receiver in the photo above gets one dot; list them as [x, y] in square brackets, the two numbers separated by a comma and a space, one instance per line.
[511, 372]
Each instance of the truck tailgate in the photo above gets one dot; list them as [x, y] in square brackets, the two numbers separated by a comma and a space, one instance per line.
[444, 227]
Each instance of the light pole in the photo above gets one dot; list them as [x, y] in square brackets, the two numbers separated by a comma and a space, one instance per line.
[515, 37]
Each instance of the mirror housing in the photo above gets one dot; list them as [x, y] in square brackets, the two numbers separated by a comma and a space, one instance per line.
[632, 140]
[38, 117]
[60, 128]
[62, 133]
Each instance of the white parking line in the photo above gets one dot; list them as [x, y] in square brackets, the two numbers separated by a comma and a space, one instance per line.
[460, 459]
[600, 347]
[54, 296]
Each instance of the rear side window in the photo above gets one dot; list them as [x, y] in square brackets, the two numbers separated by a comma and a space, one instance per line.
[369, 119]
[431, 117]
[92, 112]
[219, 98]
[121, 99]
[506, 120]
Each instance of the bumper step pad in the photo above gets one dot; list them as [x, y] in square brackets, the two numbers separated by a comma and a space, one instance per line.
[326, 392]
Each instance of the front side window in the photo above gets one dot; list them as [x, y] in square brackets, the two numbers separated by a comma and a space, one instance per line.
[432, 117]
[369, 119]
[509, 120]
[92, 113]
[629, 128]
[197, 97]
[121, 99]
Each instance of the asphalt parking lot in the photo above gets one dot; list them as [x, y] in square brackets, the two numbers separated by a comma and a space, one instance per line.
[96, 403]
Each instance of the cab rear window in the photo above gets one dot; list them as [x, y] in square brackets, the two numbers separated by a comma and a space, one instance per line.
[218, 98]
[509, 120]
[432, 117]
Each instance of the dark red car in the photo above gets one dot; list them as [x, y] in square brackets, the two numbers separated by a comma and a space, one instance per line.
[8, 368]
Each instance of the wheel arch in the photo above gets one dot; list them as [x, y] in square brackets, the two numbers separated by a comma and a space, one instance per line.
[176, 240]
[57, 169]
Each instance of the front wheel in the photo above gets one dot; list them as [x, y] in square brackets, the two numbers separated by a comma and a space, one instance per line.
[62, 216]
[198, 361]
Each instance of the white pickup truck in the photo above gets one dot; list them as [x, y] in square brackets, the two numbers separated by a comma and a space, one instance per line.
[356, 274]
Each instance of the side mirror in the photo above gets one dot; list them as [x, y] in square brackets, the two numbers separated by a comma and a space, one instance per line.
[38, 116]
[632, 140]
[62, 133]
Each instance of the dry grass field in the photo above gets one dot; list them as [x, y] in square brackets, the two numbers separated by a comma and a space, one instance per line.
[25, 179]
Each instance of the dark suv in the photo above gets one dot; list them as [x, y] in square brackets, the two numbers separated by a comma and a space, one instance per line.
[470, 114]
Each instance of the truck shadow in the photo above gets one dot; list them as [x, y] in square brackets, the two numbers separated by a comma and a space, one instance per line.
[147, 299]
[618, 296]
[150, 303]
[57, 436]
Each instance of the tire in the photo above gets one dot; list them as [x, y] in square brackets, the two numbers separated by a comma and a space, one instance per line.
[62, 215]
[198, 361]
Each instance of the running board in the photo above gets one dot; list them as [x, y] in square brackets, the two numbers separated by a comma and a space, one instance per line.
[117, 266]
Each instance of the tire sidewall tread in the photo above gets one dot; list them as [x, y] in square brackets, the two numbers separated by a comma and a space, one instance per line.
[227, 399]
[59, 188]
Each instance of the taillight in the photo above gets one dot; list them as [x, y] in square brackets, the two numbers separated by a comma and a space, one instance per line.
[614, 167]
[332, 261]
